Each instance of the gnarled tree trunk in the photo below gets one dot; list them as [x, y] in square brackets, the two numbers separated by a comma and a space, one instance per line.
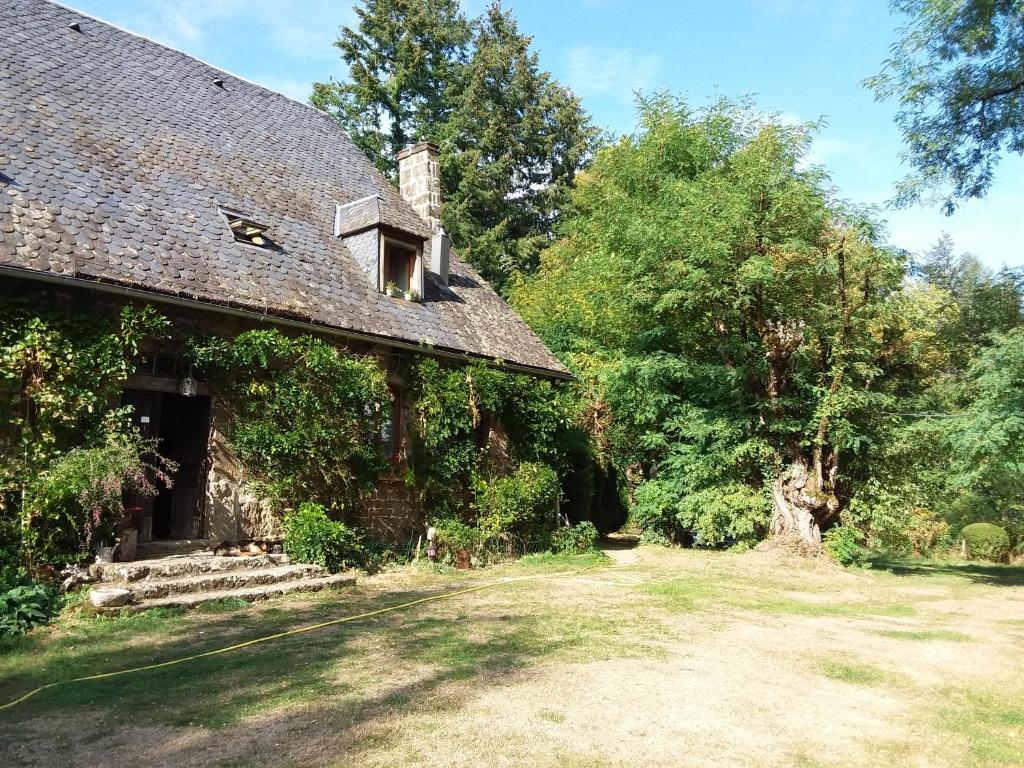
[803, 500]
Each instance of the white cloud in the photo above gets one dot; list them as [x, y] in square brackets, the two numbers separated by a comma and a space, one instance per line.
[610, 72]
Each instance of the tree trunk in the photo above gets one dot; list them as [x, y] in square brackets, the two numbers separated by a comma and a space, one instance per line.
[800, 503]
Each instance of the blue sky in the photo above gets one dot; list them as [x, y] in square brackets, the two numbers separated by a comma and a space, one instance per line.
[801, 58]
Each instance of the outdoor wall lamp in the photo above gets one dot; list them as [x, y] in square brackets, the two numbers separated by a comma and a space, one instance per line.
[189, 387]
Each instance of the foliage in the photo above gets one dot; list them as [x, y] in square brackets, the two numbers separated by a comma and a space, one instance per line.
[62, 365]
[405, 60]
[522, 505]
[575, 540]
[987, 443]
[310, 536]
[509, 152]
[512, 138]
[451, 404]
[24, 607]
[842, 542]
[305, 415]
[986, 541]
[704, 293]
[79, 500]
[957, 76]
[452, 536]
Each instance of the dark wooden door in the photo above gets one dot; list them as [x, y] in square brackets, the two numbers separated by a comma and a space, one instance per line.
[181, 426]
[186, 428]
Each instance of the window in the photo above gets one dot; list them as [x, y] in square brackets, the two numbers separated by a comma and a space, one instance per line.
[399, 267]
[391, 429]
[246, 230]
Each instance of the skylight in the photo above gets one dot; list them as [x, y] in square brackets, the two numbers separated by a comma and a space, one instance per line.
[246, 230]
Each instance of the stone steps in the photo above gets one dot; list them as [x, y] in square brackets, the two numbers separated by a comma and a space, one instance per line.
[178, 566]
[249, 593]
[148, 589]
[168, 547]
[185, 581]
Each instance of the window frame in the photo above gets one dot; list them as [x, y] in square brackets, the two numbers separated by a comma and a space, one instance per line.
[415, 269]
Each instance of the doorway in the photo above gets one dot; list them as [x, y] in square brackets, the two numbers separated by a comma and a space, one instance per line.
[182, 427]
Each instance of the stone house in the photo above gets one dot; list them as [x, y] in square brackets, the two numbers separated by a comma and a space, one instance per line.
[131, 172]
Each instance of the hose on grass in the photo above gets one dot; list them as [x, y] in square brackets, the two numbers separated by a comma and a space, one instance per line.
[292, 632]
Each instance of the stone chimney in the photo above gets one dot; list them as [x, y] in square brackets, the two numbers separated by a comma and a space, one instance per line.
[419, 180]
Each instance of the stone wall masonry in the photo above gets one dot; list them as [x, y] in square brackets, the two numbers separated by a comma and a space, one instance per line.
[393, 512]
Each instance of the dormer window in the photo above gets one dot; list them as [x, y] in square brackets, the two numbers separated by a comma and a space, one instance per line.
[401, 271]
[246, 230]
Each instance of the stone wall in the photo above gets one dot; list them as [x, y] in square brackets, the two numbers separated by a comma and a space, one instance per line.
[393, 512]
[233, 511]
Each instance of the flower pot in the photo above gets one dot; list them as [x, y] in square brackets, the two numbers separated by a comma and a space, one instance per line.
[409, 296]
[393, 292]
[462, 560]
[105, 554]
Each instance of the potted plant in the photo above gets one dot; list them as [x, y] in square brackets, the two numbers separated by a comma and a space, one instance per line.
[391, 289]
[411, 295]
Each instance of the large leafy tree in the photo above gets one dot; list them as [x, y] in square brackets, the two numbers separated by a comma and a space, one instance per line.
[958, 75]
[512, 138]
[405, 59]
[730, 317]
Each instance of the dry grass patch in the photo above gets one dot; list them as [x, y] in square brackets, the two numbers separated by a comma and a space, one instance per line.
[669, 658]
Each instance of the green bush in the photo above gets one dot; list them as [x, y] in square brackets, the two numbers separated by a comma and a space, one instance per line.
[575, 540]
[451, 536]
[523, 504]
[24, 607]
[842, 542]
[310, 536]
[986, 541]
[79, 500]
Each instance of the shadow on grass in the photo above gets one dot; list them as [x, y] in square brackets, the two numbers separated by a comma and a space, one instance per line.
[345, 676]
[981, 573]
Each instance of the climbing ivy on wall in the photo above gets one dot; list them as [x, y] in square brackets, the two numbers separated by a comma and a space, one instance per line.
[304, 415]
[62, 364]
[449, 403]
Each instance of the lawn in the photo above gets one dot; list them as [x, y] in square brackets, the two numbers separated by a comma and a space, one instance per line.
[672, 658]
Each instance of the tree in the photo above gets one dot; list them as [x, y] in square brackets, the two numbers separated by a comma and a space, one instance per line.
[512, 138]
[958, 75]
[730, 314]
[987, 302]
[405, 59]
[510, 152]
[987, 441]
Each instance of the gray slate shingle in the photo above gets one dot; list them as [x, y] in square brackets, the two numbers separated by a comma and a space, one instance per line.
[116, 154]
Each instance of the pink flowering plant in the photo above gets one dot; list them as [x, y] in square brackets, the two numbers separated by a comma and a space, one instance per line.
[79, 501]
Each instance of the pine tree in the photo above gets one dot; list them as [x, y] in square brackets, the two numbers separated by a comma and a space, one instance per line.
[405, 59]
[510, 152]
[512, 138]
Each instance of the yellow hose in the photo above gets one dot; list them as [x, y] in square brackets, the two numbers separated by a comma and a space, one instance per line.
[290, 632]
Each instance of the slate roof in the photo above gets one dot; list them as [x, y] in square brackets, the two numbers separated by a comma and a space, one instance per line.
[117, 154]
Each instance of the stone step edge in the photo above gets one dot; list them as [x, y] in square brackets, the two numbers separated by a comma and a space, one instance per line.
[208, 581]
[137, 570]
[252, 594]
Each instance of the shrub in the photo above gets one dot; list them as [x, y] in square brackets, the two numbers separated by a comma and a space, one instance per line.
[24, 607]
[522, 504]
[452, 535]
[842, 542]
[310, 536]
[986, 541]
[575, 540]
[79, 500]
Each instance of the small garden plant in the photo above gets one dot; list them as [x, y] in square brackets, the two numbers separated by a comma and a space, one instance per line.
[310, 536]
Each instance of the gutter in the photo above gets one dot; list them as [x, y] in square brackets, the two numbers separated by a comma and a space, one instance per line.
[195, 304]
